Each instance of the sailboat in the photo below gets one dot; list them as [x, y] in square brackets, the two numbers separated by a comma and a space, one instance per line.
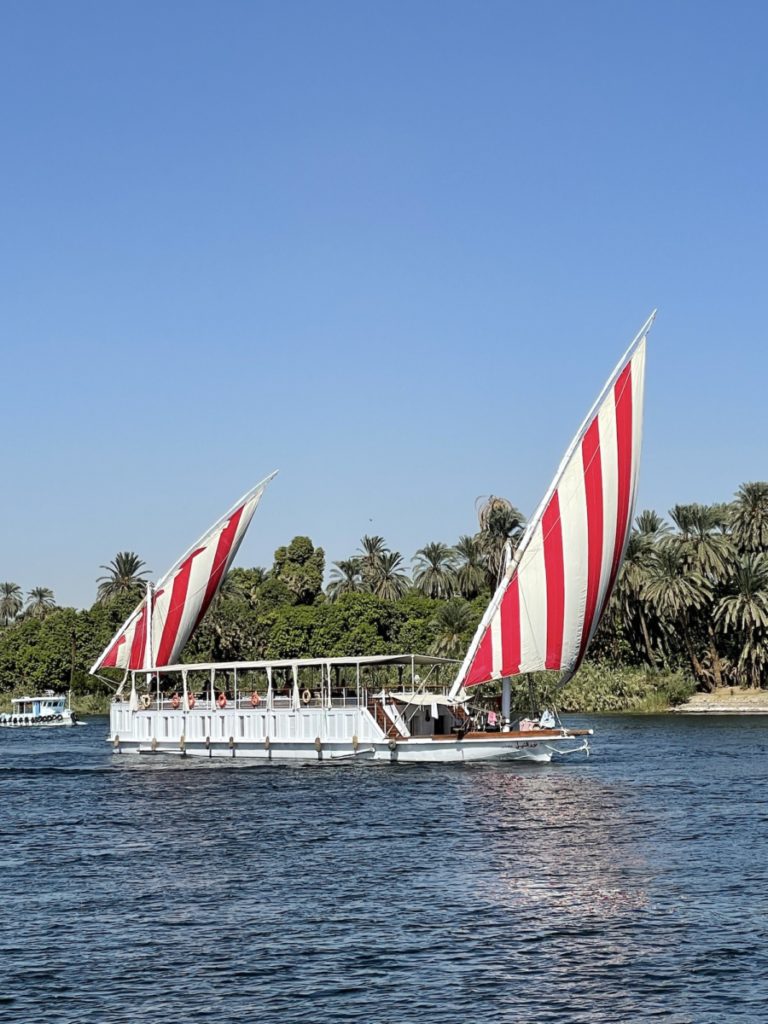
[549, 601]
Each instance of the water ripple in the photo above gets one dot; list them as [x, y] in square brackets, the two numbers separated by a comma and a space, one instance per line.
[632, 886]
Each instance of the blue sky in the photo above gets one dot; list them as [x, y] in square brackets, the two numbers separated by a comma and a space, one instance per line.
[392, 249]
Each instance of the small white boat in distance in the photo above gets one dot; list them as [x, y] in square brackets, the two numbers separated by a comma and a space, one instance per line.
[551, 595]
[48, 710]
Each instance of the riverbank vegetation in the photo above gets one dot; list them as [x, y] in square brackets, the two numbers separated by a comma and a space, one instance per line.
[690, 609]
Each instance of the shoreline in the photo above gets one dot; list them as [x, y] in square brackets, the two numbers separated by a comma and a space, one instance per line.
[727, 700]
[724, 701]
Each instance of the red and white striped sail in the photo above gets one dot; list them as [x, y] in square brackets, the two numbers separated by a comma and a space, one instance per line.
[183, 595]
[549, 603]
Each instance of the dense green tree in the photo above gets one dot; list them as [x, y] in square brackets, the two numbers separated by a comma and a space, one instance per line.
[300, 567]
[246, 581]
[124, 575]
[230, 631]
[358, 624]
[243, 584]
[37, 653]
[693, 599]
[273, 593]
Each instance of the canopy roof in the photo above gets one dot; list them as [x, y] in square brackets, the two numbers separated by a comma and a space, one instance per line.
[44, 697]
[427, 699]
[361, 661]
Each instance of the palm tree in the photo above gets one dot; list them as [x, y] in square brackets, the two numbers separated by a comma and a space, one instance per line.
[501, 528]
[452, 621]
[435, 574]
[346, 578]
[708, 550]
[372, 549]
[650, 524]
[470, 567]
[629, 596]
[702, 534]
[744, 611]
[749, 517]
[11, 602]
[40, 601]
[387, 580]
[124, 576]
[673, 590]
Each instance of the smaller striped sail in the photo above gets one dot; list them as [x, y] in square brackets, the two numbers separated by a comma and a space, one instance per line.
[548, 605]
[183, 595]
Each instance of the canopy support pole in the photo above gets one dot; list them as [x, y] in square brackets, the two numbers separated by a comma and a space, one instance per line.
[296, 700]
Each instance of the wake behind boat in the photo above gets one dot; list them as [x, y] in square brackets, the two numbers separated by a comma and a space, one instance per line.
[552, 593]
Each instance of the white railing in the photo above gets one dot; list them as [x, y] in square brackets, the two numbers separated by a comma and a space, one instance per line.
[278, 703]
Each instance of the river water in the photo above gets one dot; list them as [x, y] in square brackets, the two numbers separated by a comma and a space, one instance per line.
[629, 886]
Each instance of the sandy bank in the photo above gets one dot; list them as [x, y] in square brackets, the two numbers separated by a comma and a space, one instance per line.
[726, 701]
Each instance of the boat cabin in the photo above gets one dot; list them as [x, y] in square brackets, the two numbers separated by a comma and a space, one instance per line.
[388, 688]
[50, 704]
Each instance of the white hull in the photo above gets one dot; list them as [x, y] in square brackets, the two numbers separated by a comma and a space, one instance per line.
[329, 735]
[28, 722]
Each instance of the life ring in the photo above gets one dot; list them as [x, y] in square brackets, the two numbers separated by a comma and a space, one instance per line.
[175, 701]
[255, 699]
[306, 697]
[146, 701]
[221, 700]
[191, 700]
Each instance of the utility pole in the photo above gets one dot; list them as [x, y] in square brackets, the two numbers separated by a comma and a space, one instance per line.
[73, 649]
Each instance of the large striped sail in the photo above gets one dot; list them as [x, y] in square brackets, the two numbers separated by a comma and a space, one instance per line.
[183, 595]
[553, 593]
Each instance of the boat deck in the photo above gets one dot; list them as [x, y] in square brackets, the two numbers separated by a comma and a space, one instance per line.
[515, 734]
